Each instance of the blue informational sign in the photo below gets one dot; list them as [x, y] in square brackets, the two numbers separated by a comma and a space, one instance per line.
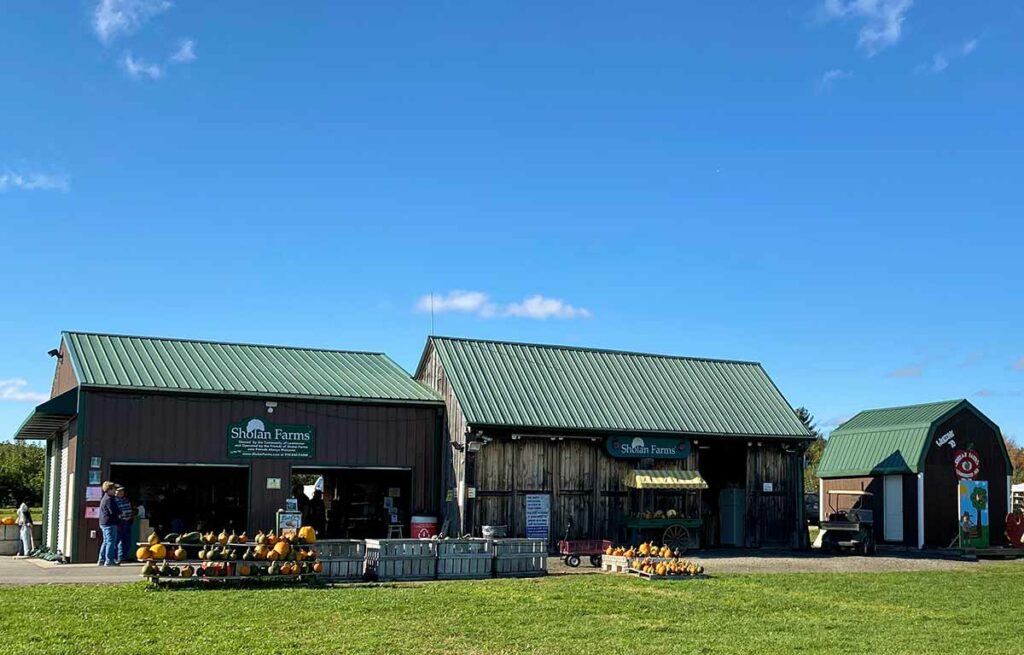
[538, 516]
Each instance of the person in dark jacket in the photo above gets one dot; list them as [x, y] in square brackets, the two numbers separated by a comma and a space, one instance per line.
[110, 516]
[124, 526]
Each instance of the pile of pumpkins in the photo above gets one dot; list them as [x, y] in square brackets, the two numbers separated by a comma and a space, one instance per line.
[229, 569]
[670, 567]
[222, 554]
[658, 514]
[649, 550]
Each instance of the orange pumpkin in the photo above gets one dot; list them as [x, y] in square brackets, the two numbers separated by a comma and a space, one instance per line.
[271, 538]
[159, 551]
[7, 520]
[261, 551]
[273, 555]
[317, 567]
[143, 554]
[282, 548]
[308, 534]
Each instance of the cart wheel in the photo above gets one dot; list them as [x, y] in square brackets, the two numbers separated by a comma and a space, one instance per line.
[595, 560]
[573, 560]
[676, 537]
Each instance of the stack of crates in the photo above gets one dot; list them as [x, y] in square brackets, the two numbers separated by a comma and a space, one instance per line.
[520, 558]
[342, 559]
[464, 559]
[401, 559]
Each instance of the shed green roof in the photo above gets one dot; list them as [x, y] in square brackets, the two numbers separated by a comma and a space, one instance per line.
[566, 388]
[885, 441]
[180, 365]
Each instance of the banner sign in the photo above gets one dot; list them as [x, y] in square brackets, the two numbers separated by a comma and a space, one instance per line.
[973, 495]
[642, 447]
[255, 437]
[538, 516]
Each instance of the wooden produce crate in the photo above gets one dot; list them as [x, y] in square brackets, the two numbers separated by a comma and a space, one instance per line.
[520, 558]
[401, 559]
[614, 564]
[464, 559]
[342, 559]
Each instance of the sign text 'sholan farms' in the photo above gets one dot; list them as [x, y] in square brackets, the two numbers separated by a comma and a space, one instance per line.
[255, 437]
[653, 447]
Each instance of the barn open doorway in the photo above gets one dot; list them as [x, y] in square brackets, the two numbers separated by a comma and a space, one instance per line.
[360, 503]
[185, 497]
[723, 465]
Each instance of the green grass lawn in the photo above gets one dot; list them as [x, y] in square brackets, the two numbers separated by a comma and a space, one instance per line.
[948, 612]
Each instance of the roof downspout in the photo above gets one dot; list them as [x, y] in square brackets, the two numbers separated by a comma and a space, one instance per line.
[920, 510]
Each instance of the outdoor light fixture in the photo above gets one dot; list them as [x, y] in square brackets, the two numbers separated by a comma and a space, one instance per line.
[55, 353]
[270, 406]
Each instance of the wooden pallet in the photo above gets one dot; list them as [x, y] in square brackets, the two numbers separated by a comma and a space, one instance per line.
[652, 576]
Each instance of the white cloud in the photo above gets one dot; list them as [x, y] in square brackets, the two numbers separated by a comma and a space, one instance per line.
[112, 18]
[913, 371]
[830, 77]
[15, 391]
[186, 52]
[467, 302]
[480, 304]
[942, 59]
[140, 68]
[881, 20]
[537, 306]
[32, 181]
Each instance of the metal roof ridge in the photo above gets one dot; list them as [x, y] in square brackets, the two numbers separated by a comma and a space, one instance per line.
[882, 428]
[610, 351]
[221, 343]
[914, 406]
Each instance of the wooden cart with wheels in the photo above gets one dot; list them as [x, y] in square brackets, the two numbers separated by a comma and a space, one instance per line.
[679, 534]
[667, 506]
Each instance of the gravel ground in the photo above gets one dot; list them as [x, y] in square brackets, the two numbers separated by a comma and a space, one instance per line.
[767, 561]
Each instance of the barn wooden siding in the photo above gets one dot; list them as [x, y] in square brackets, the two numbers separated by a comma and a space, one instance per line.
[432, 374]
[185, 429]
[589, 487]
[941, 494]
[64, 375]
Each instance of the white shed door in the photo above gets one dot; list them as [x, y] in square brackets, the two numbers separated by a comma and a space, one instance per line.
[892, 496]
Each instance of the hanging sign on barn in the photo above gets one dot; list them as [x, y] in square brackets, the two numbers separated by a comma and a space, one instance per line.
[643, 447]
[973, 518]
[538, 516]
[967, 463]
[255, 437]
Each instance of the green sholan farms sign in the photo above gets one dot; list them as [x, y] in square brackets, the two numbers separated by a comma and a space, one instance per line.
[255, 437]
[643, 447]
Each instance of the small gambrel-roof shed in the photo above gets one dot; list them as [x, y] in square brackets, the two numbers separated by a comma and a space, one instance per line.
[907, 457]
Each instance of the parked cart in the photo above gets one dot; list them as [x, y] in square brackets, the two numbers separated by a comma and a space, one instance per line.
[572, 550]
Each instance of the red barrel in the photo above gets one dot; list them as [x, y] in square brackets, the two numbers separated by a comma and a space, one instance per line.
[423, 527]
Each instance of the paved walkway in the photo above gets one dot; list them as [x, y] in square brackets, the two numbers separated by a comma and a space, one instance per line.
[35, 571]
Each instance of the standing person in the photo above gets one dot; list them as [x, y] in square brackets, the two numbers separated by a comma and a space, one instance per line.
[25, 523]
[301, 500]
[316, 513]
[109, 518]
[126, 513]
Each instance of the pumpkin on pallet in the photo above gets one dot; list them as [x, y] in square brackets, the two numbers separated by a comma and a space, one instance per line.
[307, 535]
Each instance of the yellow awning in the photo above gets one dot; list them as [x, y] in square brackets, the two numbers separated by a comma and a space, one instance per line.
[666, 479]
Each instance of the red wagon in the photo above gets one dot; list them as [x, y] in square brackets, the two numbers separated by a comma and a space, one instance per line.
[572, 549]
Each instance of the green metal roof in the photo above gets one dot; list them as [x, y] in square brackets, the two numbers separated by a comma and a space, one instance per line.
[885, 441]
[179, 365]
[559, 387]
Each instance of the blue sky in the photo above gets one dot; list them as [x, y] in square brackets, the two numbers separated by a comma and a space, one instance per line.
[830, 188]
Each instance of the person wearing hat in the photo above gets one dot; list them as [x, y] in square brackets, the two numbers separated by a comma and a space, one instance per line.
[126, 513]
[110, 516]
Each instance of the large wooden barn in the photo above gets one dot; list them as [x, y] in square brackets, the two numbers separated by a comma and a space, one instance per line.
[608, 442]
[916, 462]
